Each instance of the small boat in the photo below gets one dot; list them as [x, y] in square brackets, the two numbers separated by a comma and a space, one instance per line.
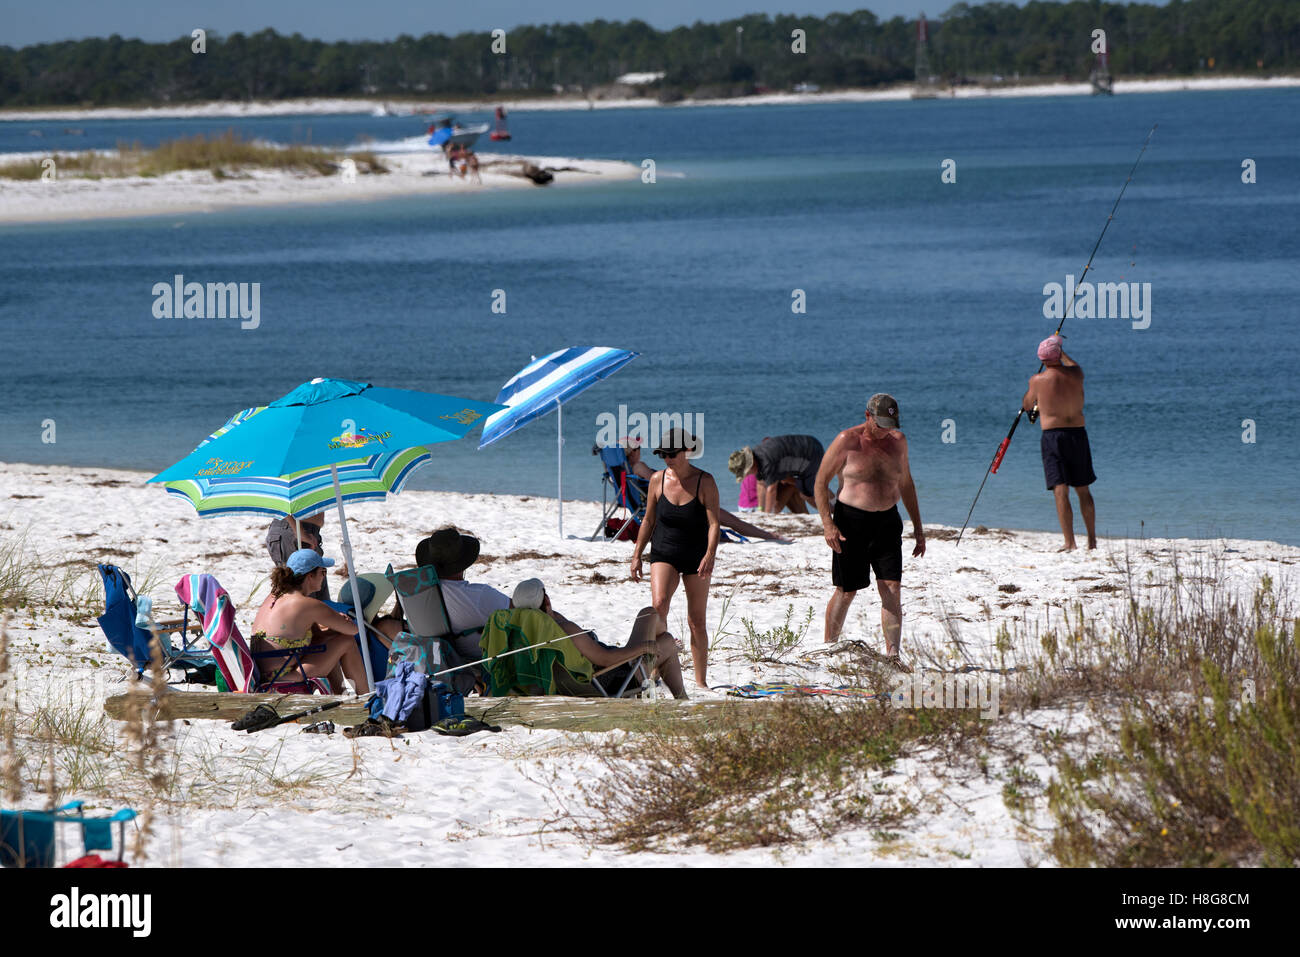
[445, 130]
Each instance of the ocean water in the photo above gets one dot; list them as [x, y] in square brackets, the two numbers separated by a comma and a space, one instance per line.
[932, 291]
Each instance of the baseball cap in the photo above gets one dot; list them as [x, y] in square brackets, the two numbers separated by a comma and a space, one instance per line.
[884, 408]
[306, 560]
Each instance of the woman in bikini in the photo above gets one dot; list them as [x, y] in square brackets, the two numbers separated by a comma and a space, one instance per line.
[681, 527]
[290, 618]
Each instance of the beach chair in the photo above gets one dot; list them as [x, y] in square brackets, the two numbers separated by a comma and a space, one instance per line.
[237, 664]
[419, 591]
[120, 624]
[555, 667]
[629, 492]
[27, 838]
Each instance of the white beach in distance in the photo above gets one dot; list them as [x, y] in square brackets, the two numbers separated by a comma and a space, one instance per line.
[188, 192]
[486, 105]
[483, 800]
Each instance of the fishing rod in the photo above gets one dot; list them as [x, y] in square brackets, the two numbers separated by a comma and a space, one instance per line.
[1033, 415]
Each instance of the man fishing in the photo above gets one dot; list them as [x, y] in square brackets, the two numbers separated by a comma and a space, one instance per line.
[865, 532]
[1057, 394]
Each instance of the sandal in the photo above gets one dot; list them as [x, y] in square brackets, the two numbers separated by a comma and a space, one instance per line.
[375, 728]
[459, 725]
[263, 716]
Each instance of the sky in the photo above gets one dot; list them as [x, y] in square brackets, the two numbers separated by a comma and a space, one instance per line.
[23, 22]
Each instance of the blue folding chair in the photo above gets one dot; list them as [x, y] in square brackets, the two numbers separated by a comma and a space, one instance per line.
[27, 838]
[128, 639]
[630, 492]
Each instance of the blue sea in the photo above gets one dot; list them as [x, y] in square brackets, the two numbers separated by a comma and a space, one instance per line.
[931, 291]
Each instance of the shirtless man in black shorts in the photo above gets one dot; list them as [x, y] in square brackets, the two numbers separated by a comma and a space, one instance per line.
[1057, 392]
[865, 531]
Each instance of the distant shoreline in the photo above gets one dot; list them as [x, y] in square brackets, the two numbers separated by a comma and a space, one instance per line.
[337, 106]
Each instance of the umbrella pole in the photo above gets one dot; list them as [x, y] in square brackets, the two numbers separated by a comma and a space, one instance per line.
[362, 640]
[559, 462]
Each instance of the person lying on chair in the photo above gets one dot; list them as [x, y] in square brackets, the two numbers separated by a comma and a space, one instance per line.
[290, 618]
[648, 636]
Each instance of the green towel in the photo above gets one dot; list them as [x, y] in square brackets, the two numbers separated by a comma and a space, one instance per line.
[532, 671]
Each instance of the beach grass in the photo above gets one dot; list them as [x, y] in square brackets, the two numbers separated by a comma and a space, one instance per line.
[782, 775]
[1200, 766]
[229, 154]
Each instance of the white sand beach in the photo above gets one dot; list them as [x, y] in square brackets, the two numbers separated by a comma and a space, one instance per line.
[322, 106]
[496, 799]
[411, 172]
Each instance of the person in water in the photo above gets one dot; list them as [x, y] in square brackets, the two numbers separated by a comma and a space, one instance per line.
[865, 531]
[290, 618]
[1057, 394]
[681, 527]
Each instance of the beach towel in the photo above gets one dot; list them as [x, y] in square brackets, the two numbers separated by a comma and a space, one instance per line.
[529, 672]
[403, 691]
[772, 689]
[204, 594]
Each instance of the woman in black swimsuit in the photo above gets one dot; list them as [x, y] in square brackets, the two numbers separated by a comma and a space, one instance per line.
[681, 526]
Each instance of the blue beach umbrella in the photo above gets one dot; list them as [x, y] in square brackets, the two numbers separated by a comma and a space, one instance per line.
[543, 386]
[325, 425]
[307, 492]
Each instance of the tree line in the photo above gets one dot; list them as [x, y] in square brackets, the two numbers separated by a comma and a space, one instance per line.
[1037, 41]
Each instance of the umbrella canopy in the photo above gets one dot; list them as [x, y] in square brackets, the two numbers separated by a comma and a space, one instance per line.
[540, 386]
[301, 493]
[328, 422]
[543, 386]
[323, 424]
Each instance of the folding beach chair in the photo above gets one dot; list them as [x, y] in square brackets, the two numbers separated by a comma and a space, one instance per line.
[556, 667]
[419, 590]
[630, 492]
[238, 665]
[120, 624]
[27, 838]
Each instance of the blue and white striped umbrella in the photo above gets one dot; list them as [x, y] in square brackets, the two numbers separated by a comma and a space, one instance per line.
[544, 385]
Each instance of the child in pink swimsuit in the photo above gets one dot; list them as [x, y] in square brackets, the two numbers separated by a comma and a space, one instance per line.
[749, 493]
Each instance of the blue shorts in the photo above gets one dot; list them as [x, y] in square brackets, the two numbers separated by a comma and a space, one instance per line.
[1067, 459]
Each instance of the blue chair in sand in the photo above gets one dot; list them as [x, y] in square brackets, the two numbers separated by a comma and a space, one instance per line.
[28, 838]
[120, 624]
[629, 492]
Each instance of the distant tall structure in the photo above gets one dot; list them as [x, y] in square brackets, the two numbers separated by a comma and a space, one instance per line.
[924, 89]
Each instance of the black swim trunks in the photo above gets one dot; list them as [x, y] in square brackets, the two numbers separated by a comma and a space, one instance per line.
[1067, 459]
[873, 541]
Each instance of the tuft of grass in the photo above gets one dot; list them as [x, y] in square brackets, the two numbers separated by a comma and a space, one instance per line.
[760, 777]
[772, 645]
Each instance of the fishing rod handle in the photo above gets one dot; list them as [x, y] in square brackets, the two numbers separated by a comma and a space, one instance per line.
[1002, 450]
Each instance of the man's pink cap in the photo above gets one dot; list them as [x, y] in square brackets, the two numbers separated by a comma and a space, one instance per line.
[1049, 350]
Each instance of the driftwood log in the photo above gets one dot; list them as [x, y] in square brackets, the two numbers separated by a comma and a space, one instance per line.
[554, 712]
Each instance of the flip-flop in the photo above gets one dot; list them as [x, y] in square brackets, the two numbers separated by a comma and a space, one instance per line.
[371, 728]
[459, 725]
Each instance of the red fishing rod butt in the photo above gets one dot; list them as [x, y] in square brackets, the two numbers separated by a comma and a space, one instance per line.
[1002, 450]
